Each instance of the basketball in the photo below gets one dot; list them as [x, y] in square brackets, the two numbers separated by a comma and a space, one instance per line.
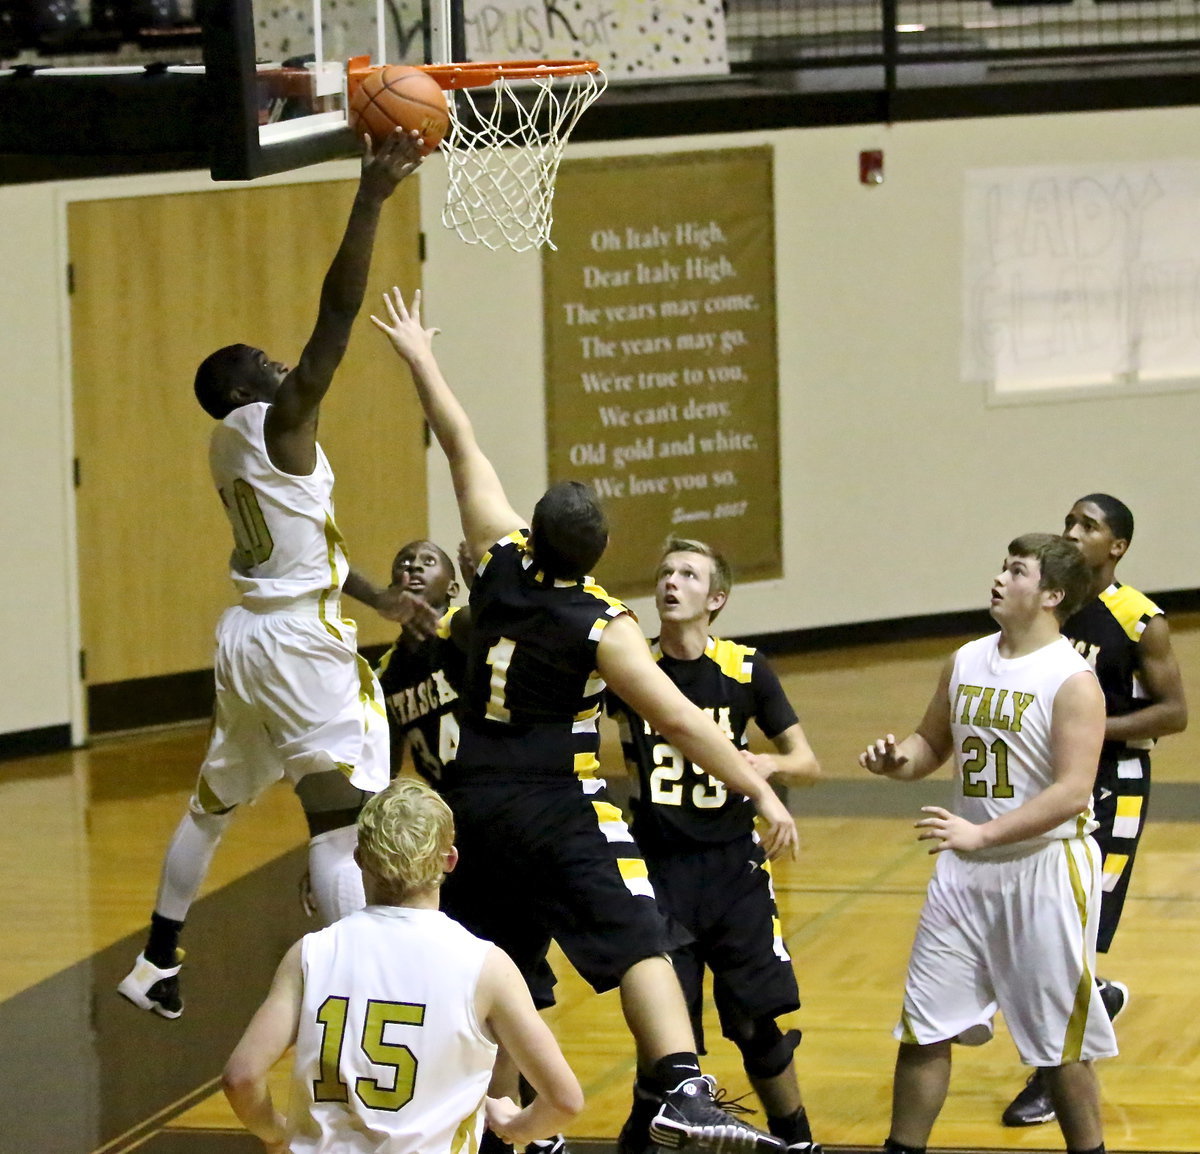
[399, 96]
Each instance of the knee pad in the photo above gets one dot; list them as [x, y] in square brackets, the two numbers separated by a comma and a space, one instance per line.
[766, 1050]
[329, 801]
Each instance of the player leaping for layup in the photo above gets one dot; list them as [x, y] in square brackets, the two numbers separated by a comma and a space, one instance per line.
[294, 699]
[541, 855]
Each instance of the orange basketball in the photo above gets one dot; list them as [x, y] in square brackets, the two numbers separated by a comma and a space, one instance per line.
[399, 96]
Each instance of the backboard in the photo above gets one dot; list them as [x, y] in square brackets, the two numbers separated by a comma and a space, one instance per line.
[250, 87]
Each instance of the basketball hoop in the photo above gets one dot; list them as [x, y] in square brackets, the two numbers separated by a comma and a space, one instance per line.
[503, 149]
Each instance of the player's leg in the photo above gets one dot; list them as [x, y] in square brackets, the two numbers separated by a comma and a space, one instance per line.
[238, 764]
[1043, 973]
[325, 712]
[634, 1137]
[1119, 805]
[754, 984]
[948, 995]
[1075, 1092]
[153, 983]
[602, 912]
[331, 806]
[919, 1085]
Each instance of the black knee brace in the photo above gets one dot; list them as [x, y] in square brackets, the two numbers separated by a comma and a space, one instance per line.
[766, 1050]
[329, 801]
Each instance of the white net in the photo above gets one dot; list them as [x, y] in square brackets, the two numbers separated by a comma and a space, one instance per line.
[502, 154]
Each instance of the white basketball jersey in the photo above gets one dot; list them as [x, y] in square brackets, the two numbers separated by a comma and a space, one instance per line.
[389, 1056]
[286, 544]
[1000, 716]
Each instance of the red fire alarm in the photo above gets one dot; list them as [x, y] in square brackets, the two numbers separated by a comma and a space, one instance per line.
[870, 166]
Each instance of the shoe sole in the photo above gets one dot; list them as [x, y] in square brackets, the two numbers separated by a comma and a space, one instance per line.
[1014, 1122]
[132, 994]
[1124, 1004]
[723, 1139]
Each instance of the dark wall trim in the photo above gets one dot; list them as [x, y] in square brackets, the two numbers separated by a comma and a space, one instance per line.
[188, 696]
[146, 701]
[174, 697]
[926, 626]
[32, 742]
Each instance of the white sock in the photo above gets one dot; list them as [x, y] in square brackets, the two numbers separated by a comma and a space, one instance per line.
[337, 885]
[186, 864]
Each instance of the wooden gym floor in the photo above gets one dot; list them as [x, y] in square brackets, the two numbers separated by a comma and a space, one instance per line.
[85, 831]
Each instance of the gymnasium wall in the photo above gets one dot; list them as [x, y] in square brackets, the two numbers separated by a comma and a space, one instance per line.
[901, 486]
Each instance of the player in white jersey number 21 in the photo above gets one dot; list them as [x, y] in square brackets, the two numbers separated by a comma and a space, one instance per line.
[1009, 921]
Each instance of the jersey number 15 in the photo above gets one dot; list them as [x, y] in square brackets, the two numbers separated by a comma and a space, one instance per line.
[329, 1087]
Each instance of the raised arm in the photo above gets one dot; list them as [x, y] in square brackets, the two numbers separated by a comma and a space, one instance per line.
[271, 1031]
[483, 506]
[291, 426]
[624, 661]
[925, 749]
[1165, 710]
[505, 1006]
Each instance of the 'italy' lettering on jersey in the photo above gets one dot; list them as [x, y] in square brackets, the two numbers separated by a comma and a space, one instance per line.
[1001, 717]
[989, 708]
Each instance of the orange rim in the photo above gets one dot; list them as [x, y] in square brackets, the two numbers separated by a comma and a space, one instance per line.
[480, 75]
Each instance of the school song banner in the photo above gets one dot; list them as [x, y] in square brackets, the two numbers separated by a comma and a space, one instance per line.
[661, 362]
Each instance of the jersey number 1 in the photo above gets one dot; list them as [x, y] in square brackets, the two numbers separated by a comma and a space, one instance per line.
[329, 1087]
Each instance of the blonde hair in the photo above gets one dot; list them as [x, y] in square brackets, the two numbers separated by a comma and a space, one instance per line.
[404, 833]
[721, 579]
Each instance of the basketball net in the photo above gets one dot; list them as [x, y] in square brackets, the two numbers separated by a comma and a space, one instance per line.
[505, 142]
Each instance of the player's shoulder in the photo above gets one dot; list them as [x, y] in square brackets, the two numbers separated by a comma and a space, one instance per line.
[445, 624]
[382, 665]
[735, 661]
[511, 547]
[977, 647]
[611, 606]
[1130, 608]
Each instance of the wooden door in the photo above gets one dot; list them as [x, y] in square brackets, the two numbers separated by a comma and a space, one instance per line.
[159, 282]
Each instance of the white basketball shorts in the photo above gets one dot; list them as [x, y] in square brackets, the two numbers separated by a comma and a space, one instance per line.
[293, 698]
[1015, 935]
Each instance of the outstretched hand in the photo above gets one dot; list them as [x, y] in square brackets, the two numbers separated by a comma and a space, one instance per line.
[948, 830]
[776, 827]
[416, 615]
[881, 757]
[399, 156]
[466, 564]
[403, 327]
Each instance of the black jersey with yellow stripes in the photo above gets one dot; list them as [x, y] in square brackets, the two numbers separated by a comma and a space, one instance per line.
[421, 685]
[532, 694]
[1108, 631]
[678, 802]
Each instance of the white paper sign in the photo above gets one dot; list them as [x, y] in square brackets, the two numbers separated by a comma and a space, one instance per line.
[1081, 276]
